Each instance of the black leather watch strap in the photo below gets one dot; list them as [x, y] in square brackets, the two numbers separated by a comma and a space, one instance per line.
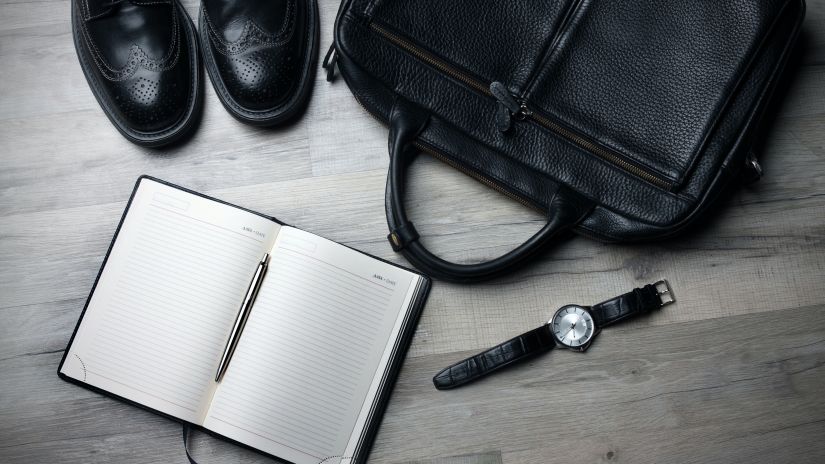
[525, 345]
[639, 301]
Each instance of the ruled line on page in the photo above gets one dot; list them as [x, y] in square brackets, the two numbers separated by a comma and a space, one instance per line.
[160, 376]
[209, 224]
[293, 435]
[348, 296]
[279, 394]
[171, 201]
[288, 416]
[160, 307]
[347, 274]
[225, 244]
[142, 391]
[228, 239]
[281, 389]
[328, 330]
[280, 407]
[172, 285]
[329, 300]
[350, 291]
[319, 382]
[193, 252]
[174, 282]
[279, 427]
[202, 228]
[335, 367]
[331, 338]
[162, 390]
[170, 293]
[334, 280]
[335, 323]
[168, 252]
[122, 340]
[336, 289]
[269, 438]
[188, 347]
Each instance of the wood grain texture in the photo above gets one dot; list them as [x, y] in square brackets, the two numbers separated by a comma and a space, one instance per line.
[731, 373]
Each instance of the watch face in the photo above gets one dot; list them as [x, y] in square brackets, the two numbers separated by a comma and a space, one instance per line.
[573, 326]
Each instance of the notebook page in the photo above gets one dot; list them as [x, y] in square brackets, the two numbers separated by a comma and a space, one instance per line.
[155, 328]
[311, 349]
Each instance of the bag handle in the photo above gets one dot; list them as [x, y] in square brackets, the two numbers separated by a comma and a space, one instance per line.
[565, 210]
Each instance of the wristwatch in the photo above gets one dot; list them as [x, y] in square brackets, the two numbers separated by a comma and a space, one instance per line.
[572, 327]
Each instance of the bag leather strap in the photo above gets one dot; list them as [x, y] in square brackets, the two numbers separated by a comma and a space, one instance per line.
[407, 121]
[512, 351]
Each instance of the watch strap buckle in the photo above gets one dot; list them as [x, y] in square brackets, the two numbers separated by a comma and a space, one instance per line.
[664, 292]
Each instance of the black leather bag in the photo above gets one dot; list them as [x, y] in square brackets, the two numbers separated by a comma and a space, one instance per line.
[623, 120]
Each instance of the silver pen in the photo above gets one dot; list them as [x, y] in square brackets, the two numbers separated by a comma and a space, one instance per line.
[243, 315]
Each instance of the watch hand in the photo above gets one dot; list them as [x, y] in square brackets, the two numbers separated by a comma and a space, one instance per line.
[572, 327]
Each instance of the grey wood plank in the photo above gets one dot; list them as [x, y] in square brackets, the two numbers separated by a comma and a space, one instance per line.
[483, 458]
[37, 329]
[66, 169]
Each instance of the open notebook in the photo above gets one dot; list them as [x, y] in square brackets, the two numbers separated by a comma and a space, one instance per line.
[317, 357]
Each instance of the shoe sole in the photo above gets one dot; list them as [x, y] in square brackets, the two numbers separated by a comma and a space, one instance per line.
[271, 116]
[161, 137]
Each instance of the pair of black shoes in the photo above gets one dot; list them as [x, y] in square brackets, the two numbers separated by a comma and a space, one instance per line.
[142, 61]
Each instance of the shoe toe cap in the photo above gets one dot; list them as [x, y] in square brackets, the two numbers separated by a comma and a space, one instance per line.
[261, 79]
[151, 102]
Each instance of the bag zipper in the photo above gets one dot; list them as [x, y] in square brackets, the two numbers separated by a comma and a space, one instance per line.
[455, 165]
[329, 64]
[524, 112]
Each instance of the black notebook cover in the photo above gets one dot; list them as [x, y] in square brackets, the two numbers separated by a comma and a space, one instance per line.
[386, 386]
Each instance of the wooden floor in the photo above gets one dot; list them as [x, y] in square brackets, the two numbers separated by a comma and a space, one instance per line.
[734, 372]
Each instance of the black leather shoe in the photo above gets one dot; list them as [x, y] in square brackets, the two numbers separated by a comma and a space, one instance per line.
[260, 55]
[141, 60]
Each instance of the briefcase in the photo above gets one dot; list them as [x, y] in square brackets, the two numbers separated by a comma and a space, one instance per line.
[622, 120]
